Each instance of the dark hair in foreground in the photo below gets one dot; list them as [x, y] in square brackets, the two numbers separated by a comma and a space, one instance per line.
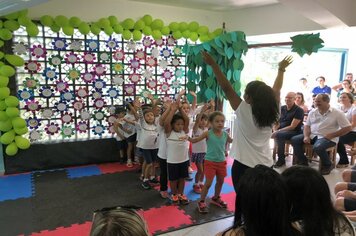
[263, 203]
[215, 114]
[176, 117]
[310, 196]
[264, 104]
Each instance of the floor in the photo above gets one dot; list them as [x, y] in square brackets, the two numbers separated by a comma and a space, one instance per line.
[212, 228]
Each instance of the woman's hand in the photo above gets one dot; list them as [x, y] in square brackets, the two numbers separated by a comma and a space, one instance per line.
[282, 65]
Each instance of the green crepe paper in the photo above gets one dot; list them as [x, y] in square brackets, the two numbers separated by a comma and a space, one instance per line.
[306, 43]
[226, 54]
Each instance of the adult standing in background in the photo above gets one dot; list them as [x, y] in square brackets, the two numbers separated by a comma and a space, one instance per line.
[322, 88]
[255, 116]
[348, 76]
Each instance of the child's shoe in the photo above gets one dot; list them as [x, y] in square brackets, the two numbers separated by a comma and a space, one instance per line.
[146, 185]
[183, 199]
[129, 163]
[164, 194]
[174, 199]
[196, 188]
[218, 202]
[137, 161]
[154, 182]
[202, 207]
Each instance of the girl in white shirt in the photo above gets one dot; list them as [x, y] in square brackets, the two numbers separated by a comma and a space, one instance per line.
[176, 129]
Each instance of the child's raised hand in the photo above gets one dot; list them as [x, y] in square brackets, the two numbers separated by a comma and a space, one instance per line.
[137, 102]
[182, 92]
[212, 102]
[285, 63]
[205, 107]
[193, 93]
[150, 96]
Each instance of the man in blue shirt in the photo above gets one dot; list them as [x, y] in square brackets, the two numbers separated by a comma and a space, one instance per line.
[290, 124]
[322, 88]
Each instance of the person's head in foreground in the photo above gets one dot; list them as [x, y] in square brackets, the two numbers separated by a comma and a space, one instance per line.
[118, 221]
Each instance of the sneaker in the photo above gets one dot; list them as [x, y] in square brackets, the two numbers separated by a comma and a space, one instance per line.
[196, 188]
[183, 199]
[190, 170]
[202, 207]
[146, 185]
[154, 182]
[136, 162]
[218, 202]
[164, 194]
[279, 163]
[129, 164]
[189, 178]
[325, 170]
[174, 199]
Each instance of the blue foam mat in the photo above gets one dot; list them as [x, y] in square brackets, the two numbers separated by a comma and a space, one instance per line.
[15, 186]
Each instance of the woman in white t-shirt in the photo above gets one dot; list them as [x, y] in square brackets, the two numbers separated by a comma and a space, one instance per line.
[346, 100]
[255, 116]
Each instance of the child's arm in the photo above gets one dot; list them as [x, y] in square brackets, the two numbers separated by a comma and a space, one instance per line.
[200, 138]
[199, 116]
[279, 79]
[167, 122]
[134, 107]
[185, 117]
[180, 94]
[165, 114]
[229, 139]
[194, 103]
[212, 106]
[116, 129]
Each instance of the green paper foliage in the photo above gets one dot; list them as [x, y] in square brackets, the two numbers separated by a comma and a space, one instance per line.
[306, 43]
[229, 59]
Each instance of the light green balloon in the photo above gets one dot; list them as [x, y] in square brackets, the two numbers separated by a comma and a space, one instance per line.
[177, 34]
[194, 36]
[11, 149]
[118, 29]
[1, 43]
[128, 23]
[5, 125]
[84, 28]
[1, 24]
[2, 105]
[103, 22]
[7, 137]
[193, 26]
[95, 29]
[2, 54]
[204, 38]
[186, 34]
[136, 35]
[12, 101]
[156, 34]
[174, 26]
[113, 21]
[47, 20]
[5, 34]
[4, 81]
[22, 142]
[183, 26]
[147, 19]
[21, 131]
[12, 16]
[74, 21]
[24, 20]
[139, 25]
[6, 70]
[165, 30]
[18, 122]
[147, 30]
[61, 20]
[203, 30]
[12, 112]
[126, 34]
[55, 28]
[32, 30]
[3, 116]
[15, 60]
[12, 25]
[109, 30]
[68, 30]
[218, 32]
[157, 24]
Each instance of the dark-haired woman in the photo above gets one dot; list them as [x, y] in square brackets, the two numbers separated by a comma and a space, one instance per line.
[313, 211]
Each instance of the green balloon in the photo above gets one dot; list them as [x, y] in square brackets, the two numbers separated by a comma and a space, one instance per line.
[104, 22]
[217, 32]
[186, 34]
[136, 35]
[22, 142]
[147, 30]
[193, 26]
[2, 105]
[12, 25]
[15, 60]
[55, 28]
[61, 21]
[11, 149]
[113, 21]
[95, 29]
[147, 19]
[139, 25]
[12, 16]
[47, 20]
[84, 28]
[1, 24]
[74, 21]
[4, 81]
[1, 43]
[21, 131]
[18, 122]
[12, 112]
[157, 24]
[12, 101]
[23, 12]
[24, 20]
[194, 36]
[174, 26]
[3, 116]
[118, 29]
[2, 54]
[156, 34]
[203, 30]
[204, 38]
[5, 125]
[68, 30]
[109, 30]
[177, 34]
[128, 24]
[126, 34]
[7, 137]
[7, 70]
[183, 26]
[32, 30]
[5, 34]
[165, 30]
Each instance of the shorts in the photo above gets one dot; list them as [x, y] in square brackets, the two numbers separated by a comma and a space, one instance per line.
[349, 204]
[138, 152]
[198, 158]
[149, 155]
[132, 138]
[351, 186]
[353, 175]
[178, 171]
[121, 144]
[212, 169]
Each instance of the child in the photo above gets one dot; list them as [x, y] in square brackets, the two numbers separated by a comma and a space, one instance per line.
[130, 133]
[199, 148]
[215, 163]
[148, 143]
[176, 129]
[120, 114]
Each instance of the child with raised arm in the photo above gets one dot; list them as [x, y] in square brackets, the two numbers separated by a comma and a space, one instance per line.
[120, 114]
[215, 162]
[176, 129]
[130, 133]
[199, 148]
